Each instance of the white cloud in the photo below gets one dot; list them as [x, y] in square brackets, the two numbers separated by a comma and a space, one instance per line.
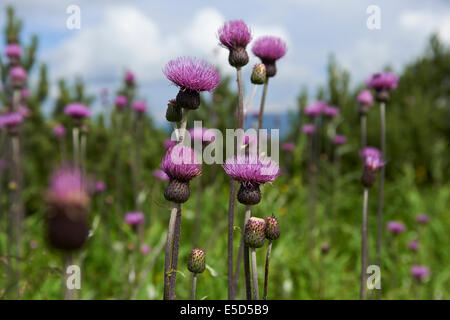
[425, 22]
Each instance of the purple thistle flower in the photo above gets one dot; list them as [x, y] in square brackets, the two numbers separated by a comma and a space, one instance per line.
[382, 81]
[413, 245]
[67, 188]
[160, 175]
[288, 146]
[25, 93]
[420, 272]
[134, 218]
[251, 170]
[396, 227]
[59, 130]
[168, 143]
[77, 110]
[202, 134]
[179, 164]
[422, 218]
[145, 249]
[269, 50]
[140, 106]
[235, 34]
[13, 50]
[325, 247]
[370, 152]
[330, 112]
[192, 74]
[18, 73]
[365, 98]
[339, 139]
[371, 166]
[315, 108]
[129, 78]
[10, 120]
[374, 163]
[308, 129]
[121, 101]
[100, 186]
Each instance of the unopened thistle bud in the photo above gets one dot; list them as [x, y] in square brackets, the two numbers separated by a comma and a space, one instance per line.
[197, 261]
[272, 228]
[259, 74]
[173, 113]
[249, 194]
[255, 232]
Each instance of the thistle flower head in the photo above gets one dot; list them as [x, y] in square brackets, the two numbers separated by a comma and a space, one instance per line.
[160, 175]
[382, 81]
[374, 163]
[197, 261]
[330, 112]
[365, 98]
[272, 228]
[339, 139]
[413, 245]
[67, 188]
[235, 34]
[129, 78]
[140, 106]
[25, 93]
[134, 218]
[77, 110]
[10, 120]
[316, 108]
[192, 74]
[179, 164]
[145, 249]
[202, 134]
[59, 130]
[255, 232]
[269, 48]
[396, 227]
[13, 50]
[121, 101]
[420, 272]
[370, 152]
[324, 247]
[422, 218]
[288, 146]
[308, 129]
[251, 170]
[18, 73]
[100, 186]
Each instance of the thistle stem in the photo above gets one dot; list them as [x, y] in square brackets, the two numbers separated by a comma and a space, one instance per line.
[250, 100]
[76, 146]
[364, 244]
[168, 256]
[248, 286]
[254, 275]
[261, 108]
[198, 208]
[83, 155]
[381, 189]
[176, 247]
[266, 271]
[194, 286]
[363, 131]
[69, 294]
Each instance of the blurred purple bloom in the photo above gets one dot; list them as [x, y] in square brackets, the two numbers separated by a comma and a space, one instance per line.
[339, 139]
[382, 81]
[330, 111]
[288, 146]
[160, 175]
[18, 73]
[100, 186]
[413, 245]
[315, 108]
[422, 218]
[134, 218]
[59, 130]
[420, 272]
[13, 50]
[168, 143]
[235, 34]
[179, 164]
[77, 110]
[373, 163]
[129, 77]
[24, 111]
[269, 48]
[67, 187]
[193, 74]
[365, 97]
[140, 106]
[251, 169]
[121, 101]
[11, 119]
[145, 249]
[396, 227]
[371, 152]
[308, 129]
[25, 93]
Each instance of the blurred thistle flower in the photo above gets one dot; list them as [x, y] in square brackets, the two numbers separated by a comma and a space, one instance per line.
[121, 101]
[382, 83]
[309, 129]
[324, 247]
[339, 139]
[272, 228]
[129, 78]
[134, 219]
[269, 49]
[59, 130]
[413, 245]
[100, 186]
[140, 106]
[396, 227]
[145, 249]
[67, 200]
[197, 261]
[25, 93]
[235, 35]
[202, 134]
[258, 74]
[192, 76]
[13, 51]
[371, 152]
[11, 121]
[24, 111]
[251, 171]
[330, 112]
[18, 76]
[34, 244]
[77, 111]
[365, 101]
[160, 175]
[371, 166]
[316, 108]
[179, 164]
[420, 272]
[288, 146]
[422, 218]
[255, 232]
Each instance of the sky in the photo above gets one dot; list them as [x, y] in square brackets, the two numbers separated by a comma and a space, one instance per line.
[143, 36]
